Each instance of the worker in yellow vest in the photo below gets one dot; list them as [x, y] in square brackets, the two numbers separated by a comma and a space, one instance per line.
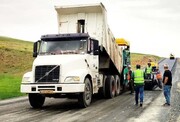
[148, 71]
[153, 65]
[138, 76]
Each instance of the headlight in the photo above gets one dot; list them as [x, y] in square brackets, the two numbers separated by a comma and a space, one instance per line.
[72, 79]
[26, 80]
[27, 77]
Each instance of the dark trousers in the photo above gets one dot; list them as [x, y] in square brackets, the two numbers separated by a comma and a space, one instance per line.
[131, 86]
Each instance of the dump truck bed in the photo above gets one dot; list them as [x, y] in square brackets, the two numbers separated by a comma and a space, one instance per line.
[93, 19]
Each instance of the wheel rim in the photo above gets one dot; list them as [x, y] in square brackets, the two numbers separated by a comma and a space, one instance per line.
[117, 86]
[113, 87]
[87, 93]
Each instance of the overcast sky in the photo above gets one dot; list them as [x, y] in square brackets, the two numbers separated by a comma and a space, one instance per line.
[151, 26]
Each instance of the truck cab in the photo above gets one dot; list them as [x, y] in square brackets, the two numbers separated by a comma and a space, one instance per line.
[63, 62]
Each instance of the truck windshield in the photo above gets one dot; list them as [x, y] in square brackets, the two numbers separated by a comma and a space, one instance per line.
[56, 47]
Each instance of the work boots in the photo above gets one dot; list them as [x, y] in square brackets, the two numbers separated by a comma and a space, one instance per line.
[141, 104]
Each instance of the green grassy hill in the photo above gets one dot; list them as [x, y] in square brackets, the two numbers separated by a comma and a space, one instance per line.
[16, 59]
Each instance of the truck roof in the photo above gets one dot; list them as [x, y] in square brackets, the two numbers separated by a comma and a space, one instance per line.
[68, 35]
[86, 8]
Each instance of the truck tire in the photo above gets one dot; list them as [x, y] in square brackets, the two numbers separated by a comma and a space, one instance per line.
[110, 86]
[36, 100]
[118, 85]
[85, 98]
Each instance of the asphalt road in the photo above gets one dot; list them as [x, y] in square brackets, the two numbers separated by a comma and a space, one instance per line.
[119, 109]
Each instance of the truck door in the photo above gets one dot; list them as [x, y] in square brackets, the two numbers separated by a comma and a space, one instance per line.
[94, 57]
[93, 60]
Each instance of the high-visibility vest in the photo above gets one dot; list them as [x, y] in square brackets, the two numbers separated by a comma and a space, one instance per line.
[148, 70]
[138, 76]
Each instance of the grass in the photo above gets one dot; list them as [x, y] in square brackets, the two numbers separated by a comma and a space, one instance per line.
[15, 44]
[142, 59]
[16, 59]
[9, 86]
[15, 56]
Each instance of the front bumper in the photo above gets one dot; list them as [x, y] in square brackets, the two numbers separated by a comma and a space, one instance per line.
[52, 88]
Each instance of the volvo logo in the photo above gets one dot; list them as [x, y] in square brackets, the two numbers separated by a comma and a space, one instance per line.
[47, 73]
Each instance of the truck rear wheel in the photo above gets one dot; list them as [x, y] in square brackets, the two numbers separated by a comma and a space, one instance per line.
[86, 97]
[118, 85]
[110, 86]
[36, 100]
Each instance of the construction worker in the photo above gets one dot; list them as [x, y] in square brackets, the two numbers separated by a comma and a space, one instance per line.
[148, 71]
[138, 77]
[167, 84]
[153, 65]
[158, 77]
[130, 80]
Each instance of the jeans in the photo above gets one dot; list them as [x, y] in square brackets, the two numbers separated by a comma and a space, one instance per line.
[139, 90]
[167, 93]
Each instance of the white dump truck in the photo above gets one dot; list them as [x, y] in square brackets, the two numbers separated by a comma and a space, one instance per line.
[81, 60]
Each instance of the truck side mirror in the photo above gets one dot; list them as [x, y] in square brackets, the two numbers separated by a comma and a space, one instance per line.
[35, 49]
[96, 47]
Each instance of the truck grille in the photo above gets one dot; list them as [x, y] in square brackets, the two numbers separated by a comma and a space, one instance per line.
[47, 74]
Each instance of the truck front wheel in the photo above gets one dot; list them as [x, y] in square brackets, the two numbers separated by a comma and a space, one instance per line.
[36, 100]
[86, 97]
